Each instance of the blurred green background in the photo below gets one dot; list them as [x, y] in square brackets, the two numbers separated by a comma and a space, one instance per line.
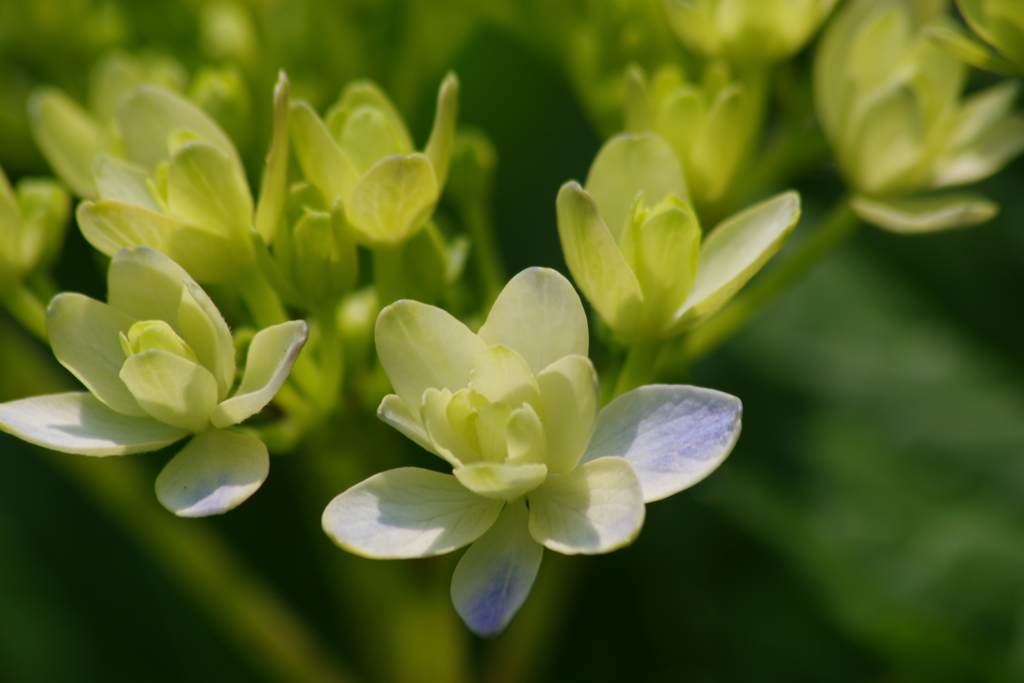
[868, 527]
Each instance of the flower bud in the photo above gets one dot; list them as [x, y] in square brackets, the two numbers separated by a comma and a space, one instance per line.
[709, 125]
[889, 100]
[222, 93]
[362, 154]
[746, 31]
[634, 246]
[33, 218]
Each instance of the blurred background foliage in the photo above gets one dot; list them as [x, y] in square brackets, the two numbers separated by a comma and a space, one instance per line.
[869, 526]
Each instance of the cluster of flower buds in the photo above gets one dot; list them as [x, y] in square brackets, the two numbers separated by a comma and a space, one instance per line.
[889, 100]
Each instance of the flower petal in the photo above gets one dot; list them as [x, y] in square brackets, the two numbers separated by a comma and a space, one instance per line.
[445, 441]
[79, 423]
[502, 376]
[272, 354]
[594, 259]
[149, 286]
[408, 512]
[500, 480]
[322, 161]
[596, 508]
[214, 473]
[539, 316]
[85, 336]
[68, 136]
[630, 164]
[421, 346]
[394, 412]
[171, 388]
[494, 577]
[204, 189]
[570, 393]
[672, 435]
[112, 225]
[392, 200]
[149, 115]
[442, 134]
[119, 180]
[733, 252]
[925, 214]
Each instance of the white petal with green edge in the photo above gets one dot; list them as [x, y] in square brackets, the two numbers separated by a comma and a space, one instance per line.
[501, 375]
[68, 136]
[672, 435]
[217, 471]
[594, 258]
[925, 214]
[171, 388]
[85, 337]
[422, 346]
[733, 252]
[596, 508]
[495, 575]
[322, 162]
[394, 412]
[120, 180]
[392, 200]
[628, 165]
[112, 225]
[442, 134]
[148, 117]
[272, 354]
[408, 512]
[570, 393]
[203, 189]
[499, 480]
[149, 286]
[539, 316]
[79, 423]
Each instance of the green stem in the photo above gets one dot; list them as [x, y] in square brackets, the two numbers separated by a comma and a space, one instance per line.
[388, 270]
[639, 367]
[331, 358]
[262, 301]
[28, 310]
[477, 220]
[837, 227]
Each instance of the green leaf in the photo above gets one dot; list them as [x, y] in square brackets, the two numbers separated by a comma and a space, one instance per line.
[393, 200]
[925, 214]
[408, 512]
[272, 354]
[79, 423]
[214, 473]
[68, 136]
[596, 508]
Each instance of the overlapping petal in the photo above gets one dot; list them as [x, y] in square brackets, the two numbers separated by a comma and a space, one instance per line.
[672, 435]
[214, 473]
[408, 512]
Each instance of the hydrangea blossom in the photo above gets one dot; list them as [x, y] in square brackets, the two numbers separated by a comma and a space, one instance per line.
[159, 364]
[536, 462]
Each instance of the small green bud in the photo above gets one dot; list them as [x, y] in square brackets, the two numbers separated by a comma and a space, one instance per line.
[889, 100]
[119, 73]
[150, 335]
[747, 31]
[362, 154]
[474, 160]
[222, 93]
[710, 126]
[33, 217]
[318, 257]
